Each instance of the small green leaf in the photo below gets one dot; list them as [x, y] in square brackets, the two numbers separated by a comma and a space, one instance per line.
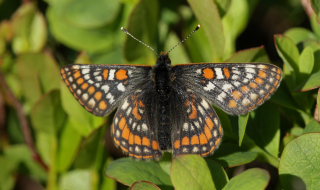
[312, 82]
[250, 179]
[86, 14]
[79, 179]
[219, 175]
[257, 54]
[289, 53]
[312, 126]
[299, 35]
[306, 62]
[82, 121]
[237, 158]
[299, 164]
[191, 172]
[242, 125]
[47, 115]
[208, 15]
[143, 25]
[144, 185]
[127, 171]
[38, 33]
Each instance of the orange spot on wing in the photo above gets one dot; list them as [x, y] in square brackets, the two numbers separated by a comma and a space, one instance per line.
[245, 89]
[253, 85]
[122, 123]
[259, 81]
[232, 104]
[98, 95]
[124, 149]
[135, 112]
[121, 74]
[131, 139]
[117, 142]
[195, 139]
[208, 132]
[194, 113]
[262, 74]
[155, 145]
[208, 73]
[145, 141]
[141, 104]
[209, 123]
[226, 72]
[278, 77]
[236, 94]
[105, 74]
[137, 139]
[185, 141]
[203, 139]
[85, 86]
[80, 81]
[177, 144]
[103, 105]
[62, 71]
[126, 132]
[77, 74]
[91, 89]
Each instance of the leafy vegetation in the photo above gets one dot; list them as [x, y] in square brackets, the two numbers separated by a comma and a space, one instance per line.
[48, 141]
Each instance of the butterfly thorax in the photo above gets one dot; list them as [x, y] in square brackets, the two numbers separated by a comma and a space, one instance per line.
[163, 89]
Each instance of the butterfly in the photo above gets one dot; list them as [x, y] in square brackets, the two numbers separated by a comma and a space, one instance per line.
[168, 108]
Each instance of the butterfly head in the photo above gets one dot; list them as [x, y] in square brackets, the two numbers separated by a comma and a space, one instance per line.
[164, 59]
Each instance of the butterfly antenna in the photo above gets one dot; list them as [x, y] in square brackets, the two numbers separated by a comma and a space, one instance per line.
[182, 41]
[129, 34]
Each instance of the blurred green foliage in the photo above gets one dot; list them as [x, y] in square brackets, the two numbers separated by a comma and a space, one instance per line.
[48, 141]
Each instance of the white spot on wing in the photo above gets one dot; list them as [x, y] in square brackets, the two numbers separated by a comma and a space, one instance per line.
[91, 103]
[85, 71]
[85, 97]
[250, 70]
[105, 88]
[210, 86]
[219, 73]
[144, 127]
[120, 87]
[185, 126]
[111, 74]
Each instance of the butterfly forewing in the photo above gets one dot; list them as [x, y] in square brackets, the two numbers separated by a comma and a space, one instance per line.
[99, 88]
[237, 88]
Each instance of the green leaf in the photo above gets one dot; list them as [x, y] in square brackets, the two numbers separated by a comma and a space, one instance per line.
[91, 40]
[306, 62]
[179, 56]
[299, 35]
[316, 7]
[265, 130]
[250, 179]
[79, 179]
[242, 125]
[82, 121]
[38, 72]
[237, 158]
[85, 14]
[208, 15]
[143, 25]
[299, 164]
[312, 82]
[257, 54]
[219, 175]
[70, 141]
[191, 172]
[289, 53]
[127, 171]
[47, 115]
[234, 22]
[144, 185]
[30, 30]
[312, 126]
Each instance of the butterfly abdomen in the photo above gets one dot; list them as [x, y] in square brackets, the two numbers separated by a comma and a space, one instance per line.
[163, 90]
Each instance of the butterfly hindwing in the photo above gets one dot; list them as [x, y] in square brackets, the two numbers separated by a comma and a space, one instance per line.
[132, 130]
[237, 88]
[198, 129]
[100, 87]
